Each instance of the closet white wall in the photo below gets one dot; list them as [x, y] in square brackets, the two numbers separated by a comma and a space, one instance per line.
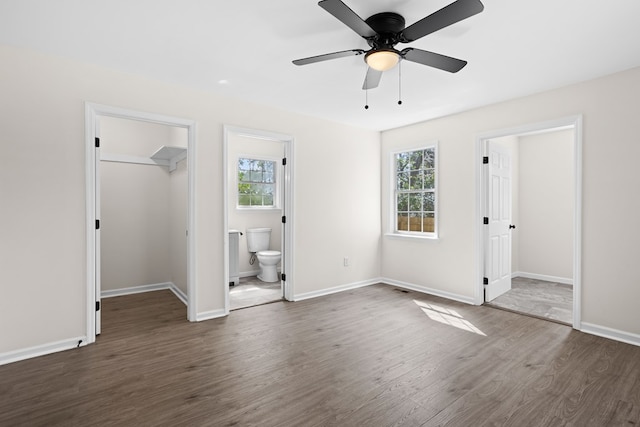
[143, 208]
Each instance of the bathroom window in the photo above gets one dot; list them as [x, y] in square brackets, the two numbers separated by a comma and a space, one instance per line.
[415, 195]
[256, 183]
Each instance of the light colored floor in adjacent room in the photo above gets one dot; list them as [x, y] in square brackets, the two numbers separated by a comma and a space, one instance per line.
[252, 291]
[547, 300]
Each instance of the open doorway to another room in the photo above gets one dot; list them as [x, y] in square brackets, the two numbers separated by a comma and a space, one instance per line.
[139, 210]
[258, 199]
[531, 187]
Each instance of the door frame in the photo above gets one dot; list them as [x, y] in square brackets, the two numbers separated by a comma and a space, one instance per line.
[93, 112]
[287, 229]
[570, 122]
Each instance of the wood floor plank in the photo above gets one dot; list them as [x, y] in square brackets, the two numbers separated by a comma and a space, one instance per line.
[374, 356]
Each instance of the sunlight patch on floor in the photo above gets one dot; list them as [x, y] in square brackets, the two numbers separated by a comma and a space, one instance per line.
[448, 317]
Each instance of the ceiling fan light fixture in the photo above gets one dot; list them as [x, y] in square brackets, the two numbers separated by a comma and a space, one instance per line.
[382, 59]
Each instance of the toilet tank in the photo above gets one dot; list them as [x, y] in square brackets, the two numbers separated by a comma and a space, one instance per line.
[258, 239]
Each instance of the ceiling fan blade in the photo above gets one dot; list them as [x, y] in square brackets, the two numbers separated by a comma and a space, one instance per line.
[328, 56]
[455, 12]
[432, 59]
[348, 17]
[372, 79]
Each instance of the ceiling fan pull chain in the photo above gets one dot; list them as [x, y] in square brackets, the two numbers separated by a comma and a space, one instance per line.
[400, 83]
[366, 99]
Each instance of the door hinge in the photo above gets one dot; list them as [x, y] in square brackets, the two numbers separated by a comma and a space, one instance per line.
[485, 220]
[284, 219]
[485, 160]
[284, 277]
[97, 224]
[485, 280]
[97, 142]
[97, 305]
[284, 161]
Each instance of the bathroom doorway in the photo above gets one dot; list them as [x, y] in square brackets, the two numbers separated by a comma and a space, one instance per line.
[258, 197]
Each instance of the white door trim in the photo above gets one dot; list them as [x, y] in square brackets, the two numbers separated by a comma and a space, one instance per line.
[288, 228]
[571, 122]
[92, 113]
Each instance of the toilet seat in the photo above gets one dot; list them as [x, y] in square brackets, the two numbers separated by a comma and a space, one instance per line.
[269, 253]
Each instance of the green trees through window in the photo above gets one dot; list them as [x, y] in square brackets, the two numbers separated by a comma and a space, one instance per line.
[415, 190]
[256, 182]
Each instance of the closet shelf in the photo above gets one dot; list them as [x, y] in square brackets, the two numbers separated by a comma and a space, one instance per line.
[164, 156]
[170, 154]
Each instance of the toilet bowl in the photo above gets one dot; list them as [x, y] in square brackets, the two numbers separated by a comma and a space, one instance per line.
[268, 261]
[258, 244]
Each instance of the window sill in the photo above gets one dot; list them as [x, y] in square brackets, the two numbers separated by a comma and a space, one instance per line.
[257, 209]
[407, 236]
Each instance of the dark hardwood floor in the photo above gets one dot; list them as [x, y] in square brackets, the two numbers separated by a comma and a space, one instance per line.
[374, 356]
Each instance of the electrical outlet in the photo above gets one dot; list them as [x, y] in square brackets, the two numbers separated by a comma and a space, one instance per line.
[346, 261]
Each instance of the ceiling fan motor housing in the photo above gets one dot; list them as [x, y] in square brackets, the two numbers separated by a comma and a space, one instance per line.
[388, 26]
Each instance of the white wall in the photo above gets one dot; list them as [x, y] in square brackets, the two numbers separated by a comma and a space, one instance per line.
[242, 218]
[610, 236]
[43, 262]
[546, 189]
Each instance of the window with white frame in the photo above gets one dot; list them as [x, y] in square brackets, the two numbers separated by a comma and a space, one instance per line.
[415, 196]
[256, 183]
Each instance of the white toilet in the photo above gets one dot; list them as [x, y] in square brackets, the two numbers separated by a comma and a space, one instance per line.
[258, 243]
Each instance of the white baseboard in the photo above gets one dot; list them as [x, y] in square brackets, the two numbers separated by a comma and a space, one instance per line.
[249, 273]
[146, 288]
[253, 273]
[546, 278]
[136, 290]
[614, 334]
[329, 291]
[41, 350]
[430, 291]
[208, 315]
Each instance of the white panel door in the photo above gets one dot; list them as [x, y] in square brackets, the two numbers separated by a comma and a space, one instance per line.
[498, 236]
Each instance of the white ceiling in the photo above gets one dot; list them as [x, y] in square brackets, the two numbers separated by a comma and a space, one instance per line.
[244, 49]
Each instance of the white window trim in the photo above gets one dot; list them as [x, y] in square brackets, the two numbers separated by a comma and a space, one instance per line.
[393, 217]
[276, 195]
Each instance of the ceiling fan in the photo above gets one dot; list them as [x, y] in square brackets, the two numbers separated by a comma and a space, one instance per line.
[383, 31]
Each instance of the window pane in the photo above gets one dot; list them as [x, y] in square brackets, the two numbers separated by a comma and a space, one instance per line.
[244, 200]
[416, 180]
[416, 160]
[428, 223]
[256, 200]
[403, 203]
[430, 158]
[402, 179]
[429, 179]
[268, 177]
[415, 222]
[428, 202]
[402, 161]
[268, 200]
[403, 222]
[415, 202]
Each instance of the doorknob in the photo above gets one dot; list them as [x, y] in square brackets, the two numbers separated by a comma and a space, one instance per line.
[511, 226]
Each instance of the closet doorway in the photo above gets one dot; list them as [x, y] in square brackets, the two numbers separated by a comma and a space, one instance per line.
[258, 205]
[139, 207]
[529, 199]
